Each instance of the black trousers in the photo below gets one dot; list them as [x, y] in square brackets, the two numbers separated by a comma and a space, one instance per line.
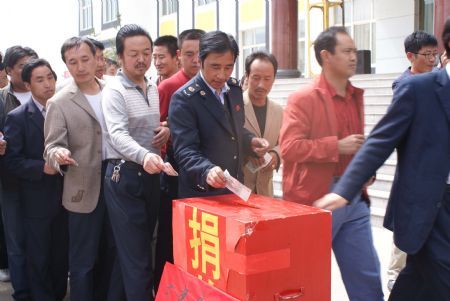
[164, 239]
[47, 241]
[132, 205]
[426, 276]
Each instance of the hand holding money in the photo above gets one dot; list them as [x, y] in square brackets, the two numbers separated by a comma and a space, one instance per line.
[216, 177]
[260, 146]
[63, 157]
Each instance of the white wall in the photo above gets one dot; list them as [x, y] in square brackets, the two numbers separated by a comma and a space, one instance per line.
[42, 25]
[394, 21]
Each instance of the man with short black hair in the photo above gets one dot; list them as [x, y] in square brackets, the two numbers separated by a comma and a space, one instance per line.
[263, 118]
[165, 57]
[12, 96]
[75, 135]
[41, 186]
[418, 212]
[323, 127]
[100, 58]
[206, 117]
[421, 50]
[188, 43]
[134, 141]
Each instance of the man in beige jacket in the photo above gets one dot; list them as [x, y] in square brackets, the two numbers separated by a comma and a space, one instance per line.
[263, 118]
[74, 133]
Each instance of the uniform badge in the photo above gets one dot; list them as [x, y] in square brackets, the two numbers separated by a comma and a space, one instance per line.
[202, 93]
[234, 81]
[191, 89]
[237, 108]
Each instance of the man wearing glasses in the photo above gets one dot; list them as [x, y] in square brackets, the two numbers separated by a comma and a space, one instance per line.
[421, 50]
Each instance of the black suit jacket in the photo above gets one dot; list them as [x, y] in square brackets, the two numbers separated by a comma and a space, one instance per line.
[40, 193]
[417, 124]
[204, 137]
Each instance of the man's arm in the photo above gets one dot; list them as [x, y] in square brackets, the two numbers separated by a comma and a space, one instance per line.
[15, 160]
[385, 137]
[296, 145]
[56, 141]
[186, 141]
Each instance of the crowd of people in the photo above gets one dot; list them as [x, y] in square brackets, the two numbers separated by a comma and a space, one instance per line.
[90, 166]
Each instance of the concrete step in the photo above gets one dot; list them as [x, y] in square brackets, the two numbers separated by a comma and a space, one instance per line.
[378, 91]
[379, 99]
[377, 217]
[388, 168]
[375, 109]
[383, 182]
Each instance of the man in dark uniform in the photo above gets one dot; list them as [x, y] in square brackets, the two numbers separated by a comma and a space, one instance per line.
[206, 118]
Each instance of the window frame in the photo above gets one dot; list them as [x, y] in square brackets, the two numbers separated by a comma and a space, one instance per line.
[114, 22]
[169, 7]
[85, 11]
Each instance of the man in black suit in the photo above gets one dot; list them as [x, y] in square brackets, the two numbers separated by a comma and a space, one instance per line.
[40, 187]
[206, 119]
[417, 124]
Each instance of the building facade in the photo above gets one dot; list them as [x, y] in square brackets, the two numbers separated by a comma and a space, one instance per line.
[376, 25]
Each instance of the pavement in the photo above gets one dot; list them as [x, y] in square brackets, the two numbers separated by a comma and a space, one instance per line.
[383, 242]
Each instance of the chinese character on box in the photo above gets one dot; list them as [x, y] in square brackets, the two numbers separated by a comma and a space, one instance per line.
[265, 249]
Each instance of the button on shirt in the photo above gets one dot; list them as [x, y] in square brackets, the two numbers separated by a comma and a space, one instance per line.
[348, 120]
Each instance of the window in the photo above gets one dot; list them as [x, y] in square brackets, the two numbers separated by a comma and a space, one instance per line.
[169, 7]
[359, 23]
[204, 2]
[426, 22]
[252, 40]
[110, 14]
[85, 17]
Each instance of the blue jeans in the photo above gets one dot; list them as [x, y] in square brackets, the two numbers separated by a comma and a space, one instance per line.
[13, 223]
[354, 251]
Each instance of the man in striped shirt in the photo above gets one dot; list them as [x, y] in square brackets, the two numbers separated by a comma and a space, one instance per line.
[135, 137]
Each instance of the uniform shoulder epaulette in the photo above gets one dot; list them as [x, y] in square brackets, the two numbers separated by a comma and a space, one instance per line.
[233, 82]
[191, 89]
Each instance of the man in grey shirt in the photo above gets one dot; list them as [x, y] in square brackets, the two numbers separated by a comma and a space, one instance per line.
[131, 109]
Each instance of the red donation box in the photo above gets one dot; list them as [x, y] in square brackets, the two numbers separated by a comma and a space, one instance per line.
[264, 249]
[178, 285]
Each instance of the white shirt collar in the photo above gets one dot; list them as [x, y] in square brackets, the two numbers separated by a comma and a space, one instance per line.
[224, 89]
[38, 104]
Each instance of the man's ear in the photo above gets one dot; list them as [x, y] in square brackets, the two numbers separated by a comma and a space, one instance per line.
[324, 55]
[410, 56]
[28, 86]
[179, 53]
[8, 70]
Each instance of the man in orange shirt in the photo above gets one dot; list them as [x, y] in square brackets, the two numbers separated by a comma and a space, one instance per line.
[322, 129]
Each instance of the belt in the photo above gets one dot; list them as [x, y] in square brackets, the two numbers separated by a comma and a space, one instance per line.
[127, 164]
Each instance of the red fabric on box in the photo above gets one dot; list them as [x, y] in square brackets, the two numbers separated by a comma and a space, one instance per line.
[178, 285]
[255, 250]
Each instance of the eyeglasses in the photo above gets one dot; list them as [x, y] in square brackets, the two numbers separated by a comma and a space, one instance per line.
[429, 56]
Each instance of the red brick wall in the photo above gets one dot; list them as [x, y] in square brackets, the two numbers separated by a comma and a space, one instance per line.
[441, 12]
